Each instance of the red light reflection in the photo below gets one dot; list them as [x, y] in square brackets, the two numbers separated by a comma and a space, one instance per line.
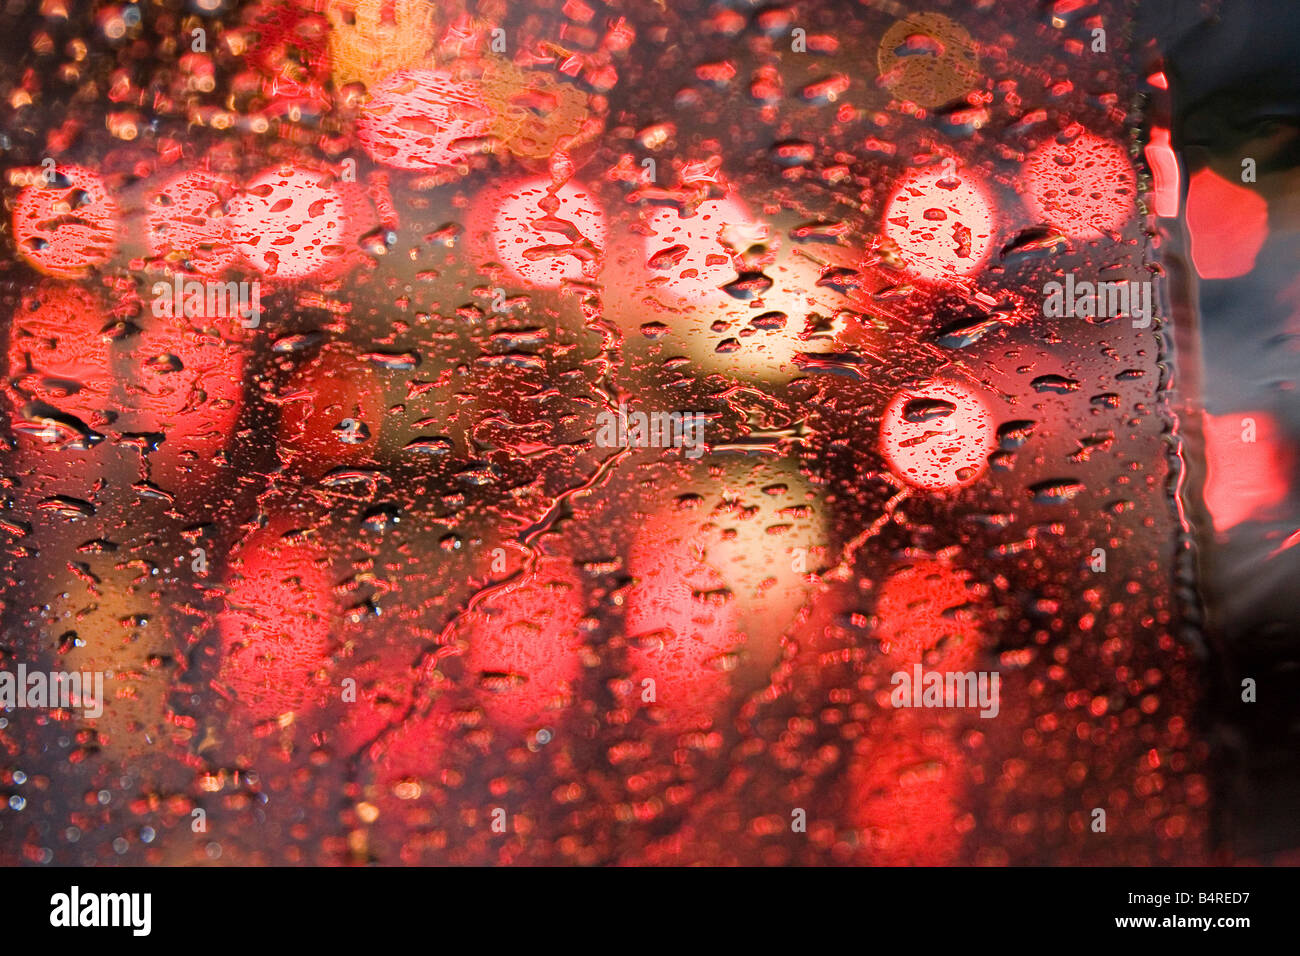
[187, 223]
[926, 607]
[1165, 171]
[423, 119]
[682, 627]
[1247, 467]
[524, 644]
[275, 627]
[906, 785]
[942, 220]
[1224, 246]
[328, 406]
[937, 436]
[289, 223]
[57, 354]
[1084, 187]
[543, 238]
[66, 228]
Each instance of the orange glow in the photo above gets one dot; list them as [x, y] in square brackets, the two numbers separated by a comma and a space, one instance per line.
[368, 39]
[928, 59]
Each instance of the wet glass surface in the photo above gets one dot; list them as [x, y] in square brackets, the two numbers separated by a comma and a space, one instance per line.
[582, 433]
